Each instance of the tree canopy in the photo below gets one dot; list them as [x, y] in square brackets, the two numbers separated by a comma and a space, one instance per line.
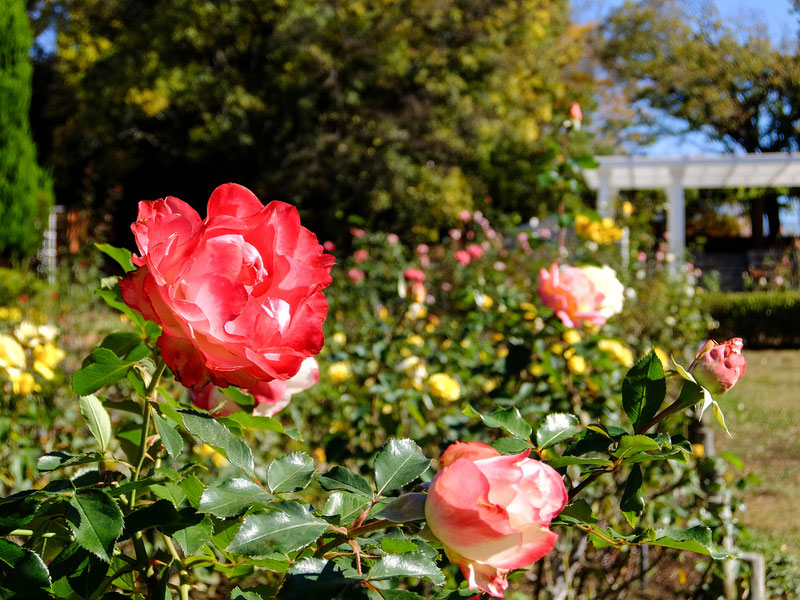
[384, 109]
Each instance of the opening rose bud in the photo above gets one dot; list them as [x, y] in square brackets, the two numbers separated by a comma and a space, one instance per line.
[717, 367]
[238, 294]
[492, 512]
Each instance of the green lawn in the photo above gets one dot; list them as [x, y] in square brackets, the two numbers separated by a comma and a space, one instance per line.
[763, 415]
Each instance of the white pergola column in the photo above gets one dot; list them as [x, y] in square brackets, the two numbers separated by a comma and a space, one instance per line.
[676, 217]
[605, 195]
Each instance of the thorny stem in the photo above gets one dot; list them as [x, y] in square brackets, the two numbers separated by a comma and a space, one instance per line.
[353, 533]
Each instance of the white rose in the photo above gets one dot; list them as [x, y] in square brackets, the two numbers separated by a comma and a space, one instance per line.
[605, 280]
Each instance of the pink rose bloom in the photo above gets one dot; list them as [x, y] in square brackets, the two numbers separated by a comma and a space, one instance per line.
[475, 251]
[424, 260]
[463, 257]
[717, 367]
[492, 512]
[360, 256]
[470, 235]
[572, 295]
[329, 246]
[238, 295]
[418, 293]
[356, 275]
[356, 232]
[423, 249]
[392, 238]
[270, 396]
[499, 266]
[464, 215]
[575, 111]
[447, 286]
[414, 275]
[641, 257]
[454, 234]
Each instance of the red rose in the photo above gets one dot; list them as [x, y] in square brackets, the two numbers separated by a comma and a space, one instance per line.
[238, 295]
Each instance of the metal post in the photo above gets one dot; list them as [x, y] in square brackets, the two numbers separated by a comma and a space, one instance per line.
[676, 217]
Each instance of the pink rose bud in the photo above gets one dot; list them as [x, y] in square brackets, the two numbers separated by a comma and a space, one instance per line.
[356, 232]
[463, 257]
[414, 275]
[571, 295]
[475, 251]
[492, 512]
[422, 249]
[575, 111]
[717, 367]
[360, 256]
[356, 275]
[329, 246]
[238, 294]
[392, 238]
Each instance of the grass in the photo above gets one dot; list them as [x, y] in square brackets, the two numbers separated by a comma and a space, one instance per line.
[763, 415]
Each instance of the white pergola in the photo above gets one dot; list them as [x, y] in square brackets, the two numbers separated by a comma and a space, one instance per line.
[675, 174]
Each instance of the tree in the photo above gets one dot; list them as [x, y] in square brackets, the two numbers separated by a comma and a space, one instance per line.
[25, 190]
[384, 109]
[729, 82]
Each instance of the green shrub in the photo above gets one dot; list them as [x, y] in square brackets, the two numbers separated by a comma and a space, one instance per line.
[763, 319]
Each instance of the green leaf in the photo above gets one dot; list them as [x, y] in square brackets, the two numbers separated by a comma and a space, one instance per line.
[170, 438]
[632, 503]
[290, 473]
[232, 498]
[406, 508]
[126, 345]
[288, 528]
[399, 463]
[643, 390]
[240, 594]
[578, 511]
[345, 505]
[511, 445]
[397, 546]
[195, 536]
[193, 488]
[95, 520]
[633, 444]
[22, 570]
[101, 368]
[61, 460]
[245, 419]
[339, 478]
[510, 420]
[220, 438]
[411, 564]
[563, 461]
[97, 420]
[121, 255]
[556, 428]
[163, 515]
[697, 539]
[113, 298]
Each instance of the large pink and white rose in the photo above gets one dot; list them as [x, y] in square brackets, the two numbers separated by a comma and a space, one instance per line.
[238, 294]
[492, 512]
[270, 396]
[572, 295]
[717, 367]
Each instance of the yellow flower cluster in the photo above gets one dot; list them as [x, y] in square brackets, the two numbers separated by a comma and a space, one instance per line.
[618, 351]
[444, 387]
[339, 372]
[600, 232]
[45, 355]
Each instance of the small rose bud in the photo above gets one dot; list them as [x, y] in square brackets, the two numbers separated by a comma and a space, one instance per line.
[717, 367]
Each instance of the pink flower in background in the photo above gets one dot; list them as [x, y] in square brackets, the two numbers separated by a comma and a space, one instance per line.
[475, 251]
[464, 215]
[717, 367]
[392, 238]
[329, 246]
[492, 512]
[641, 257]
[238, 295]
[418, 293]
[360, 256]
[414, 275]
[356, 275]
[499, 266]
[356, 232]
[575, 111]
[270, 396]
[423, 249]
[424, 260]
[454, 234]
[463, 257]
[571, 295]
[447, 286]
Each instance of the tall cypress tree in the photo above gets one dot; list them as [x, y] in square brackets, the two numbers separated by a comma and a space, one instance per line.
[25, 189]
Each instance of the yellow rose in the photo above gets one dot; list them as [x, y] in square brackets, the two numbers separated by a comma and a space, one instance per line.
[444, 387]
[618, 351]
[557, 349]
[340, 372]
[339, 338]
[627, 208]
[23, 383]
[415, 340]
[577, 365]
[46, 357]
[537, 370]
[12, 354]
[571, 337]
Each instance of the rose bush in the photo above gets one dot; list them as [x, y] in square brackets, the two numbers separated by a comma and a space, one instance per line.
[238, 295]
[492, 512]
